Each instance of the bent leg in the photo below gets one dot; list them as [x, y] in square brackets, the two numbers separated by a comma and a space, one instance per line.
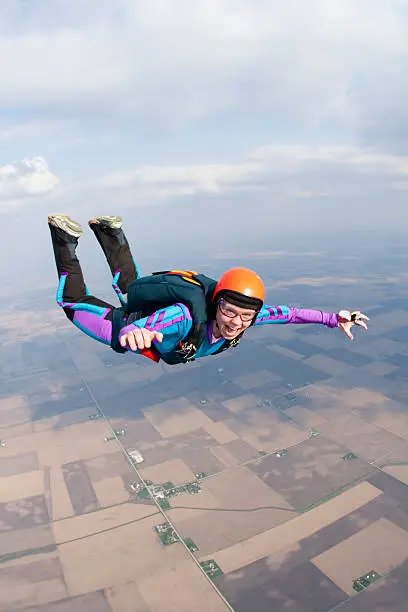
[88, 313]
[94, 320]
[117, 251]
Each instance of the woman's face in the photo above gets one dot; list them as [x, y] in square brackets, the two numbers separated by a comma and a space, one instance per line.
[231, 320]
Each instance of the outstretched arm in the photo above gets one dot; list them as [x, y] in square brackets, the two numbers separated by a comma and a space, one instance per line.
[298, 316]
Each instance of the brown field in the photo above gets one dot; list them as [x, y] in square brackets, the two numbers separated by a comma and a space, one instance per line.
[223, 454]
[379, 368]
[238, 404]
[220, 432]
[175, 470]
[176, 417]
[325, 341]
[45, 424]
[398, 471]
[80, 441]
[380, 347]
[381, 447]
[60, 501]
[306, 417]
[388, 321]
[327, 364]
[85, 359]
[111, 491]
[199, 503]
[115, 557]
[282, 435]
[105, 466]
[17, 591]
[79, 527]
[241, 450]
[215, 530]
[286, 352]
[332, 403]
[17, 464]
[381, 546]
[370, 441]
[14, 411]
[256, 379]
[39, 323]
[21, 562]
[137, 429]
[348, 399]
[21, 539]
[392, 417]
[15, 402]
[145, 374]
[347, 425]
[12, 431]
[44, 444]
[243, 489]
[21, 486]
[296, 529]
[126, 598]
[182, 589]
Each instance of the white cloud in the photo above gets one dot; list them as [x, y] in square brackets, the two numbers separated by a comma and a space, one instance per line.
[293, 173]
[178, 61]
[29, 177]
[290, 171]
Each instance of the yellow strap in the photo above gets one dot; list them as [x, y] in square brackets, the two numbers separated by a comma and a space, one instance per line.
[190, 280]
[184, 272]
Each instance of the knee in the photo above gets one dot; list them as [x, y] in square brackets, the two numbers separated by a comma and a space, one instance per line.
[69, 313]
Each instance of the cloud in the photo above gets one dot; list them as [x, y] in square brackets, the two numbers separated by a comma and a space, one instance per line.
[273, 191]
[288, 171]
[340, 62]
[29, 177]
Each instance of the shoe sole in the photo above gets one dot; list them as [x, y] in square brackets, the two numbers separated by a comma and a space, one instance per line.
[111, 221]
[66, 224]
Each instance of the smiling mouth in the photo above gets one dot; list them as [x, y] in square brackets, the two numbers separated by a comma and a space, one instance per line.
[231, 330]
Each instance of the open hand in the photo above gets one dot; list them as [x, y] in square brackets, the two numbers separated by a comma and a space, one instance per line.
[140, 338]
[347, 319]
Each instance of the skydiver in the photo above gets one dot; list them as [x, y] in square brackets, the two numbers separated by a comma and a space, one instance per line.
[235, 302]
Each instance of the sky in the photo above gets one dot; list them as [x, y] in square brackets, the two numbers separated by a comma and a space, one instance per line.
[214, 119]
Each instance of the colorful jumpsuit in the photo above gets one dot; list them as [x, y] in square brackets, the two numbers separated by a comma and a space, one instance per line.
[94, 316]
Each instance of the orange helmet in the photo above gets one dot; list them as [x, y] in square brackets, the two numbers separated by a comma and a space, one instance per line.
[242, 287]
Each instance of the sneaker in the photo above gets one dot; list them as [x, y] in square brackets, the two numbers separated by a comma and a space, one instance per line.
[66, 224]
[108, 221]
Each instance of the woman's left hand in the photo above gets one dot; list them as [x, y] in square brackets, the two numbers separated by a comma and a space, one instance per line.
[347, 319]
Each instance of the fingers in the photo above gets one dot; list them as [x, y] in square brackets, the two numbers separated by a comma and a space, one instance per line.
[359, 318]
[346, 327]
[347, 319]
[140, 338]
[158, 336]
[360, 315]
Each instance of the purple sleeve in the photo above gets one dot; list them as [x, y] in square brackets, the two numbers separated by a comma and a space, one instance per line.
[305, 315]
[297, 316]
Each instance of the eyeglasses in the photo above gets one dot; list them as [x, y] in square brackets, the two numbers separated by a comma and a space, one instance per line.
[228, 312]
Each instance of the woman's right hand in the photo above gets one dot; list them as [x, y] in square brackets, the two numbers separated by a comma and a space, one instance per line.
[139, 338]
